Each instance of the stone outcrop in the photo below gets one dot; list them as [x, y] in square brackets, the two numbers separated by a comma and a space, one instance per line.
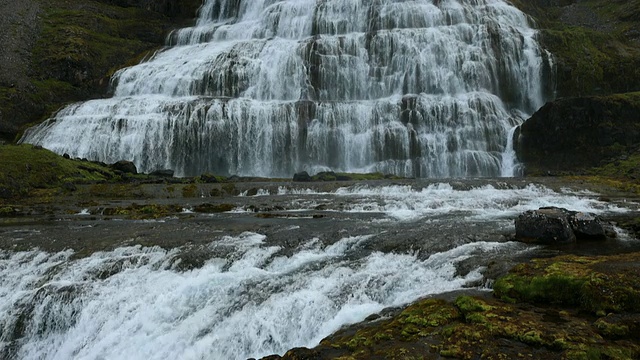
[554, 225]
[162, 173]
[301, 176]
[575, 134]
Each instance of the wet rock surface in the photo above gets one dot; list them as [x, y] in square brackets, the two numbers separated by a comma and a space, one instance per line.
[544, 226]
[554, 225]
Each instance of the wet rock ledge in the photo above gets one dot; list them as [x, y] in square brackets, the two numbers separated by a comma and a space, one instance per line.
[567, 307]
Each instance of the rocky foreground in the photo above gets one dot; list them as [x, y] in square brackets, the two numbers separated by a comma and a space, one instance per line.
[567, 307]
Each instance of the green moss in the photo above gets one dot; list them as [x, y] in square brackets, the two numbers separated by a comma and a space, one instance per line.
[117, 190]
[429, 313]
[468, 304]
[137, 211]
[596, 56]
[190, 191]
[25, 168]
[611, 330]
[555, 289]
[621, 173]
[589, 283]
[94, 38]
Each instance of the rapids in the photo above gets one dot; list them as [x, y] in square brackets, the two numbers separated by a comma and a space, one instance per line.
[236, 285]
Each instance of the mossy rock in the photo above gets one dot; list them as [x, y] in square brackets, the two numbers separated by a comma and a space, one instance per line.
[474, 327]
[594, 284]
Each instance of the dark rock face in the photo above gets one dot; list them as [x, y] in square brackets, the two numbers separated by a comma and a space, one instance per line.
[544, 226]
[589, 227]
[579, 133]
[170, 8]
[557, 225]
[208, 179]
[126, 167]
[162, 173]
[5, 193]
[302, 176]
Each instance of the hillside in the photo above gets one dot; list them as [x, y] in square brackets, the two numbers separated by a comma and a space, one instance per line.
[56, 52]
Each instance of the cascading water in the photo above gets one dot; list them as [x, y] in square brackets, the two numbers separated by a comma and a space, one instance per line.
[425, 88]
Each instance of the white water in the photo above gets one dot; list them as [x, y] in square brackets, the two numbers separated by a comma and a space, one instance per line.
[268, 88]
[252, 303]
[405, 203]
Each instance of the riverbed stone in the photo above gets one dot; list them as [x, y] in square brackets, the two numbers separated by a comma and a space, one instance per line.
[544, 226]
[302, 176]
[552, 225]
[125, 166]
[587, 226]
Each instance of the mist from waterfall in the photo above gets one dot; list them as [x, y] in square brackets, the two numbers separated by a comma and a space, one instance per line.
[424, 88]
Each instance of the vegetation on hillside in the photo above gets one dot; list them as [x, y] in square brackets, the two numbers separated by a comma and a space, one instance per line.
[26, 169]
[78, 47]
[595, 43]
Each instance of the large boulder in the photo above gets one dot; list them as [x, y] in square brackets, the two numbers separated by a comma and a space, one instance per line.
[302, 176]
[125, 166]
[552, 225]
[571, 135]
[587, 226]
[544, 226]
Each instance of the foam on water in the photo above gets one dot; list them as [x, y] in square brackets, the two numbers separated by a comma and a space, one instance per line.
[406, 203]
[131, 303]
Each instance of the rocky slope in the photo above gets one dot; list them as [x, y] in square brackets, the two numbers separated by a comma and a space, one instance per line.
[595, 43]
[55, 52]
[593, 128]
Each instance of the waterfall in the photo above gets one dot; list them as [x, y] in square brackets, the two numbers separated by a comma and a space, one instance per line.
[422, 88]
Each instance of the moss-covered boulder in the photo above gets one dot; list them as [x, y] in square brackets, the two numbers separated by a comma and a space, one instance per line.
[576, 134]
